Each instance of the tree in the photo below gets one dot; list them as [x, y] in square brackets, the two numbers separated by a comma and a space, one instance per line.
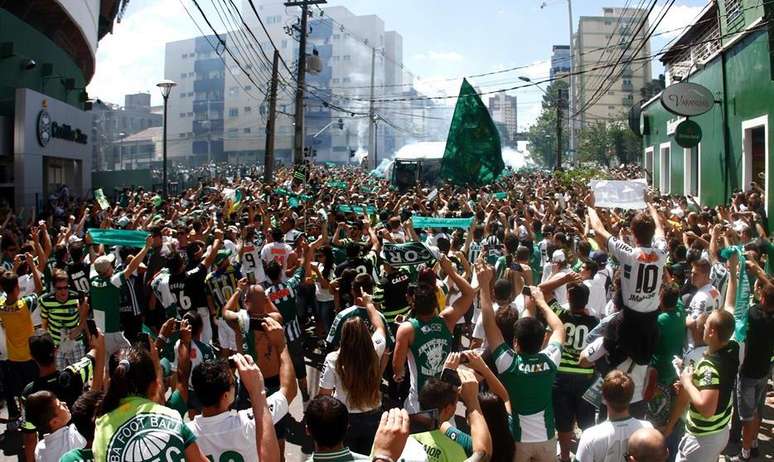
[603, 141]
[542, 134]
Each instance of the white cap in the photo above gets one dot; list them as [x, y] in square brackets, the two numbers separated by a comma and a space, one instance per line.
[558, 256]
[104, 262]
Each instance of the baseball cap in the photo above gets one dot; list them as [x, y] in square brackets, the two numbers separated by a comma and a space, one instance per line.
[122, 222]
[222, 255]
[104, 262]
[558, 256]
[599, 257]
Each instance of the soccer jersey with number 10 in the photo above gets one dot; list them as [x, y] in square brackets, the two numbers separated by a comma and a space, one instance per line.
[643, 268]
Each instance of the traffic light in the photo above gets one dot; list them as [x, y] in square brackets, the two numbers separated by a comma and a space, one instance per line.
[341, 124]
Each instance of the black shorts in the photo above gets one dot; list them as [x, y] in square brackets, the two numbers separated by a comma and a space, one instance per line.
[569, 405]
[631, 334]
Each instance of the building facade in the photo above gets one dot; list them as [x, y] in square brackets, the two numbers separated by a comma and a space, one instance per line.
[561, 61]
[219, 109]
[504, 110]
[726, 51]
[47, 57]
[112, 123]
[601, 40]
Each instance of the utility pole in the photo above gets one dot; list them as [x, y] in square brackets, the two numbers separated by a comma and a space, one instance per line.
[573, 154]
[558, 104]
[268, 160]
[298, 138]
[371, 117]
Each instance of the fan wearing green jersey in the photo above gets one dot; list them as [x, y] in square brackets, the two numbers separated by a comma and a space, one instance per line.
[131, 425]
[425, 340]
[527, 370]
[105, 296]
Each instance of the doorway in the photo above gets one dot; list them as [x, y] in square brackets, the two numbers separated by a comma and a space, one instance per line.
[755, 155]
[664, 168]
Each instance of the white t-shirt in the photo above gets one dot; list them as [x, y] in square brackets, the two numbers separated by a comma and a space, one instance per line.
[478, 329]
[54, 445]
[642, 271]
[597, 295]
[277, 251]
[608, 441]
[704, 301]
[234, 431]
[638, 372]
[251, 262]
[330, 379]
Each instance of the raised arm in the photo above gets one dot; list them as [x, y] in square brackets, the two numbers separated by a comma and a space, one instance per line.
[461, 306]
[137, 260]
[485, 273]
[554, 323]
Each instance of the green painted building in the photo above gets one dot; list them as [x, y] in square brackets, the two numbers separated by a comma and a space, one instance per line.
[47, 57]
[728, 50]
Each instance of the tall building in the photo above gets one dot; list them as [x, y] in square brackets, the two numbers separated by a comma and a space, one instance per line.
[218, 111]
[561, 61]
[504, 110]
[608, 93]
[195, 112]
[47, 57]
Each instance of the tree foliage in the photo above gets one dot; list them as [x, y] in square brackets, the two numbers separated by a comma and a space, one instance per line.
[542, 134]
[601, 142]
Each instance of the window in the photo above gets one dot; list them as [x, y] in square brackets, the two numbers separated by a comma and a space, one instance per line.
[246, 130]
[664, 168]
[734, 13]
[347, 57]
[345, 80]
[190, 114]
[691, 174]
[247, 109]
[183, 75]
[336, 80]
[336, 36]
[248, 87]
[274, 19]
[182, 115]
[336, 58]
[182, 135]
[233, 112]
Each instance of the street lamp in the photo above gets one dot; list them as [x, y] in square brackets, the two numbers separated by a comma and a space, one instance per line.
[121, 136]
[166, 88]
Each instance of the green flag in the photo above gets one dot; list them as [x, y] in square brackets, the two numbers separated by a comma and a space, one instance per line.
[473, 153]
[123, 237]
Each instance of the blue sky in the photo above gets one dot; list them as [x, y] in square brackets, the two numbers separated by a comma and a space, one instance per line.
[441, 39]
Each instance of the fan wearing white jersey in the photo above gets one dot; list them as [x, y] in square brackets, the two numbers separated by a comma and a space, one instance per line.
[221, 431]
[705, 300]
[608, 441]
[635, 332]
[250, 255]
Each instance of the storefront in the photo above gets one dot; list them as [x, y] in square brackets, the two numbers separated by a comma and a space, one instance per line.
[51, 149]
[727, 52]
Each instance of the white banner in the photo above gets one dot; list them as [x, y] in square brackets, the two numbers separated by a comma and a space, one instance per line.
[619, 194]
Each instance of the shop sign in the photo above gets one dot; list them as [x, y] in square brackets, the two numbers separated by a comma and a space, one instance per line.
[688, 134]
[687, 99]
[47, 129]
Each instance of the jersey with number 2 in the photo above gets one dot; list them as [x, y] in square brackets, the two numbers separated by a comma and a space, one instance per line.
[641, 271]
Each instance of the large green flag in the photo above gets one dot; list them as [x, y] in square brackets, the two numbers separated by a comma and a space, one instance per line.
[473, 153]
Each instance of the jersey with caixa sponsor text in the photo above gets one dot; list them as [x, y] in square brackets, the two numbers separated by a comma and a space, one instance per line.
[643, 268]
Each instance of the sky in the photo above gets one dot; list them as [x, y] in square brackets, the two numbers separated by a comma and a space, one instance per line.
[443, 40]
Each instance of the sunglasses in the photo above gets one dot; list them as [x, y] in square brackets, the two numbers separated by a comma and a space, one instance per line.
[60, 287]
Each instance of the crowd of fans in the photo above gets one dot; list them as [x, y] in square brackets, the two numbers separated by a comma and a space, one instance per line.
[526, 324]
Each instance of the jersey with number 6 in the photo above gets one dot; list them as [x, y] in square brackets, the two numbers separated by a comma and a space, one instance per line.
[642, 270]
[188, 289]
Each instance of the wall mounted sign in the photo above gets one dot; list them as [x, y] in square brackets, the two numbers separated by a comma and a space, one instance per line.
[687, 99]
[47, 129]
[688, 134]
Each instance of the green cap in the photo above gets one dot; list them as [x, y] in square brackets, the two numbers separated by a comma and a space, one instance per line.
[725, 253]
[222, 255]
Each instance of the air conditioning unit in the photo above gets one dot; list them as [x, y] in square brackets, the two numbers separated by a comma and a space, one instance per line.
[313, 63]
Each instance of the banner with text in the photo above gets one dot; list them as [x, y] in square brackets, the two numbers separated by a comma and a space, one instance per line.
[619, 194]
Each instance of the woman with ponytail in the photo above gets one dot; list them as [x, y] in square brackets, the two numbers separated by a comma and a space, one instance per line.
[131, 425]
[353, 373]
